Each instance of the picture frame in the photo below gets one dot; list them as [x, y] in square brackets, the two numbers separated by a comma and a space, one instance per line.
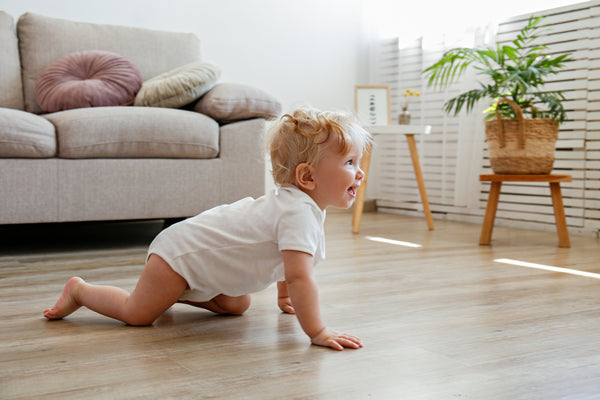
[373, 104]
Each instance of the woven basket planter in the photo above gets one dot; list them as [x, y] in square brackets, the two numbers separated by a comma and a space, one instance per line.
[525, 146]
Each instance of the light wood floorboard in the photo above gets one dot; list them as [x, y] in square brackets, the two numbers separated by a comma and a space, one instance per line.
[441, 321]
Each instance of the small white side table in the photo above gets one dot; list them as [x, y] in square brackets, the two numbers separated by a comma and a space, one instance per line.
[409, 131]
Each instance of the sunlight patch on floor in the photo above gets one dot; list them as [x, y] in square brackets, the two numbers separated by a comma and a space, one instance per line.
[547, 267]
[391, 241]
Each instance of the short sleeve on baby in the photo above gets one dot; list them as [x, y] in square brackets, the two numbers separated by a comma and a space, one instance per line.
[301, 228]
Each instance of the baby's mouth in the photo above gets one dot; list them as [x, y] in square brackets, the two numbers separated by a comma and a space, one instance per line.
[352, 191]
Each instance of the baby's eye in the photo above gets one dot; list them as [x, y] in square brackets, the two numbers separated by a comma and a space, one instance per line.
[350, 162]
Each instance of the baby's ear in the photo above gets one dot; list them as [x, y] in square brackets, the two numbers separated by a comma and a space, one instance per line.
[304, 177]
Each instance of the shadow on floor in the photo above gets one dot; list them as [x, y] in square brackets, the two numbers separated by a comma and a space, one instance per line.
[77, 236]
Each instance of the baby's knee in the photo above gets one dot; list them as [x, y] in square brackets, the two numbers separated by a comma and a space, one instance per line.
[234, 305]
[244, 304]
[137, 319]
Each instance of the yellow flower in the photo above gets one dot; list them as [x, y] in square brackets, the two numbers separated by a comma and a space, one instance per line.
[410, 92]
[407, 94]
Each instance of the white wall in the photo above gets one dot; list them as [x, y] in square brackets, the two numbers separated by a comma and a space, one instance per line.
[308, 52]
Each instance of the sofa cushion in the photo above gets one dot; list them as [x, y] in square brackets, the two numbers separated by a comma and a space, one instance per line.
[178, 87]
[42, 40]
[25, 135]
[88, 79]
[228, 102]
[134, 132]
[11, 95]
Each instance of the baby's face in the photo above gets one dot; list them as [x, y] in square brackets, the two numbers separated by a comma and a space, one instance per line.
[337, 176]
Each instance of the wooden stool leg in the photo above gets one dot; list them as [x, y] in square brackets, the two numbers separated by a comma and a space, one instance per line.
[412, 147]
[359, 204]
[490, 214]
[559, 215]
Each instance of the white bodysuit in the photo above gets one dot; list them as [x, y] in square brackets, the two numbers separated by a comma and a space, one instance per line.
[235, 249]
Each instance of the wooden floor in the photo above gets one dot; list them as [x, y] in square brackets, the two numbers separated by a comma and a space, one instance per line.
[441, 321]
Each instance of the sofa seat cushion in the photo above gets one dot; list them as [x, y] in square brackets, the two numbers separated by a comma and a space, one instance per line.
[134, 132]
[25, 135]
[88, 79]
[178, 87]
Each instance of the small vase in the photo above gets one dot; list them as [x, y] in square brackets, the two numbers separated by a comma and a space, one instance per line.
[404, 118]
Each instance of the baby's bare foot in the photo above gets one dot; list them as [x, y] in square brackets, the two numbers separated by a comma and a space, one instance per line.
[66, 304]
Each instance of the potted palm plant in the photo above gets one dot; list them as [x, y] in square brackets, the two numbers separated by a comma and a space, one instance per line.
[523, 118]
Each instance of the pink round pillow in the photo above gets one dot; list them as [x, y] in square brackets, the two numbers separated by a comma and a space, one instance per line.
[88, 79]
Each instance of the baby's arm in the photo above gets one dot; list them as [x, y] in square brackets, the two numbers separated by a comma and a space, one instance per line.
[304, 295]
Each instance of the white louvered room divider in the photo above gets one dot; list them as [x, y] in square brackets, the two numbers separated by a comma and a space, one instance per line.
[454, 155]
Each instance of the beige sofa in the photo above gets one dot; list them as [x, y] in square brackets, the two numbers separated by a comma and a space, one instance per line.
[122, 162]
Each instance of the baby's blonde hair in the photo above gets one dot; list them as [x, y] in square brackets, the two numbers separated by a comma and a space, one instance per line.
[299, 137]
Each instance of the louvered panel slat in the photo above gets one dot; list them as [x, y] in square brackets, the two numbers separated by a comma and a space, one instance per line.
[539, 208]
[570, 155]
[577, 103]
[593, 205]
[593, 136]
[566, 85]
[566, 39]
[570, 143]
[540, 195]
[578, 115]
[526, 220]
[572, 206]
[579, 134]
[569, 126]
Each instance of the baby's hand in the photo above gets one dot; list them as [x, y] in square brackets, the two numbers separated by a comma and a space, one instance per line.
[336, 340]
[285, 305]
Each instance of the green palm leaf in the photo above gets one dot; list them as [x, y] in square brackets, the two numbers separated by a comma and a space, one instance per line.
[515, 70]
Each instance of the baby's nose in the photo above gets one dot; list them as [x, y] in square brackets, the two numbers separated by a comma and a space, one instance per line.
[359, 173]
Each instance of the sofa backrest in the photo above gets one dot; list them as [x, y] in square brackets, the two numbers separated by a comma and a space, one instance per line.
[42, 40]
[11, 90]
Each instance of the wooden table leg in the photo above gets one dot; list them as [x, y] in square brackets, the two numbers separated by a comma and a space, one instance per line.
[490, 214]
[559, 215]
[412, 147]
[359, 204]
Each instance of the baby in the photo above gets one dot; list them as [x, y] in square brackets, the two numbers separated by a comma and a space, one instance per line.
[217, 258]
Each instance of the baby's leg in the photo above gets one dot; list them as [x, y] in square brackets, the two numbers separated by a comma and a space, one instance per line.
[223, 304]
[158, 288]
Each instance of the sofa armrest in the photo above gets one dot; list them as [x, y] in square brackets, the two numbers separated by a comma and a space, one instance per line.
[228, 102]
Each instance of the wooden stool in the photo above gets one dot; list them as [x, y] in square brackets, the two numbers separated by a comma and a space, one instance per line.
[557, 202]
